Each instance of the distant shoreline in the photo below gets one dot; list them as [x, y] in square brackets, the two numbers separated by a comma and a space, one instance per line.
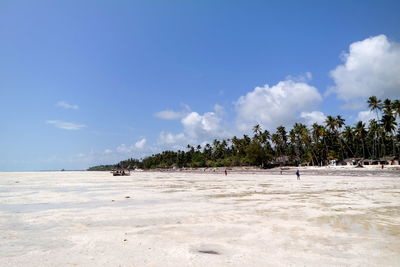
[47, 171]
[309, 170]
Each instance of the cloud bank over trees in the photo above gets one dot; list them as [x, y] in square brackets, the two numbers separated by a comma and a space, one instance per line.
[370, 67]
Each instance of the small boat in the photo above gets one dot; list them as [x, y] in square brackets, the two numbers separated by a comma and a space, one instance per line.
[121, 172]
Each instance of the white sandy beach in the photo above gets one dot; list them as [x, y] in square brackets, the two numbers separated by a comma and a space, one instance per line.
[200, 219]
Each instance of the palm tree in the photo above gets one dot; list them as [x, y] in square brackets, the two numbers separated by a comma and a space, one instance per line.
[387, 107]
[281, 131]
[375, 104]
[389, 125]
[264, 137]
[306, 142]
[396, 108]
[339, 121]
[257, 129]
[348, 136]
[319, 133]
[331, 122]
[360, 134]
[373, 132]
[277, 144]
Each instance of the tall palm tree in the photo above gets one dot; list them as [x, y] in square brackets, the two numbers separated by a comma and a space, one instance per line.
[375, 104]
[389, 125]
[235, 145]
[339, 123]
[331, 122]
[319, 144]
[281, 131]
[277, 144]
[257, 129]
[348, 136]
[373, 131]
[387, 107]
[396, 108]
[360, 134]
[264, 137]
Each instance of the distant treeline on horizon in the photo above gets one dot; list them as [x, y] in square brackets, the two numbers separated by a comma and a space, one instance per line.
[317, 145]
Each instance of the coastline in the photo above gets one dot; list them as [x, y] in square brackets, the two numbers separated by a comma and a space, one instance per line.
[310, 170]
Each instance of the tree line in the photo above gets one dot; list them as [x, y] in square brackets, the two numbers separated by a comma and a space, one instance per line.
[315, 145]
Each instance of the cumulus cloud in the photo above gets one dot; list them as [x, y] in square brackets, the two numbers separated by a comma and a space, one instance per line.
[197, 128]
[313, 117]
[107, 151]
[276, 105]
[306, 77]
[65, 125]
[200, 126]
[141, 143]
[65, 105]
[371, 67]
[170, 138]
[169, 114]
[125, 148]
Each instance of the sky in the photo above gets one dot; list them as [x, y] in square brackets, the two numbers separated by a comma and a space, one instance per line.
[84, 83]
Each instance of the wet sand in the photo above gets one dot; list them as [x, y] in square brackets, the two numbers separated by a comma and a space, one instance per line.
[328, 218]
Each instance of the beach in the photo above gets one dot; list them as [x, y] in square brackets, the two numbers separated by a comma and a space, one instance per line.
[331, 217]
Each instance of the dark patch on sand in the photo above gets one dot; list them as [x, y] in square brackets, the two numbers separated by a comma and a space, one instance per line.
[209, 252]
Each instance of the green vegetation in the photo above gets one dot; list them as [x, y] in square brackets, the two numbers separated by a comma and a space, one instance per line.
[102, 168]
[315, 145]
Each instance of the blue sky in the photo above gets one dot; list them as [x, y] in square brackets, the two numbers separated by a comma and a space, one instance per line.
[93, 82]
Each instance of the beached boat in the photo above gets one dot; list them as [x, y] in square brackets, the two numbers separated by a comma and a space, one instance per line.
[121, 172]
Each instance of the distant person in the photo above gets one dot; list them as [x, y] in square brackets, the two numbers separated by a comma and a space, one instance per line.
[382, 167]
[226, 172]
[298, 174]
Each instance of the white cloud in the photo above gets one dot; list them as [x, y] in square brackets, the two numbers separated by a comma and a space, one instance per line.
[169, 138]
[169, 115]
[219, 109]
[366, 116]
[107, 151]
[65, 105]
[65, 125]
[300, 78]
[276, 105]
[200, 126]
[173, 115]
[371, 67]
[125, 148]
[312, 117]
[141, 143]
[197, 128]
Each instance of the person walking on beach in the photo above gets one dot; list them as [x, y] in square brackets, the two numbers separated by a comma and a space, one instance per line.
[226, 172]
[298, 174]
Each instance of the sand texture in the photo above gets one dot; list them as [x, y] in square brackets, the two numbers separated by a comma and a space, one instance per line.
[200, 219]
